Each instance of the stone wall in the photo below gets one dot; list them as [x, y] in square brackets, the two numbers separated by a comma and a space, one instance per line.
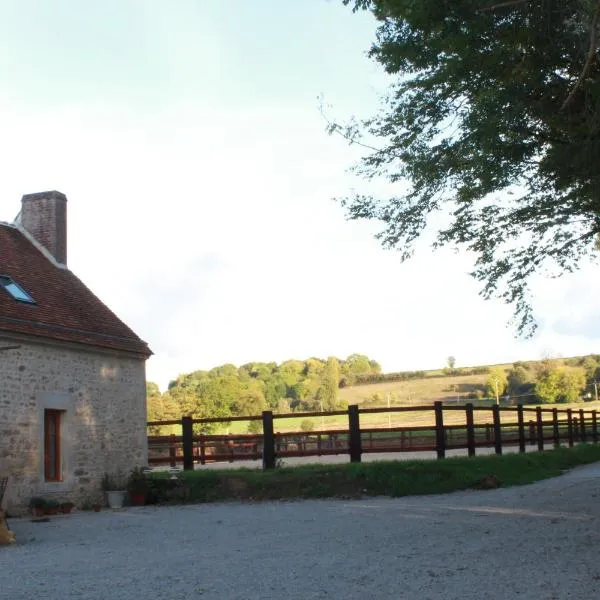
[103, 399]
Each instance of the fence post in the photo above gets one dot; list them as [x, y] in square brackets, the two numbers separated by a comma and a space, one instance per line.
[187, 437]
[497, 429]
[202, 449]
[268, 440]
[531, 432]
[582, 425]
[354, 439]
[521, 425]
[172, 450]
[440, 441]
[470, 429]
[570, 426]
[540, 428]
[594, 426]
[555, 429]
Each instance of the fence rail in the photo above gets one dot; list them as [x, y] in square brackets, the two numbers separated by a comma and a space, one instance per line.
[521, 426]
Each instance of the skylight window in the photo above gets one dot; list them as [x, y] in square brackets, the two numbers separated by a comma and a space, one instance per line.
[15, 290]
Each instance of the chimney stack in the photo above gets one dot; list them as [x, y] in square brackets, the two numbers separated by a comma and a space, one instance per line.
[44, 216]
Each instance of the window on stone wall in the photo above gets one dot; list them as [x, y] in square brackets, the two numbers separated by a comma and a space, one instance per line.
[52, 445]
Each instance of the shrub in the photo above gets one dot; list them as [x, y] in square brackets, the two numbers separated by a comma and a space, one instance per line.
[307, 425]
[255, 426]
[165, 490]
[137, 482]
[114, 482]
[52, 507]
[384, 377]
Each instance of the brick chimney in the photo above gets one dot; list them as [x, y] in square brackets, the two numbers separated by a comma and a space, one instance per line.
[44, 216]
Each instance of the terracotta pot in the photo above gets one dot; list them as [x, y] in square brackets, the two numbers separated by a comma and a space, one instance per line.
[137, 498]
[97, 507]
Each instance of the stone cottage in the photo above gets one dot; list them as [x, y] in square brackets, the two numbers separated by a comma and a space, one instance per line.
[72, 375]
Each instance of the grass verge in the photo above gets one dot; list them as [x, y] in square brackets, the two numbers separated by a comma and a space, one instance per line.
[385, 478]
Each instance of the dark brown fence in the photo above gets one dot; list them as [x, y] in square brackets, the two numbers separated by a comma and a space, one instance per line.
[504, 426]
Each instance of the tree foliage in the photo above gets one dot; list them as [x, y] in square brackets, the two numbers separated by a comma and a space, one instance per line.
[227, 390]
[560, 384]
[493, 118]
[307, 385]
[497, 382]
[160, 407]
[521, 380]
[356, 367]
[328, 394]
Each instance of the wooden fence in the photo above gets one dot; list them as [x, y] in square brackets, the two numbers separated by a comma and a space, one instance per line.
[504, 426]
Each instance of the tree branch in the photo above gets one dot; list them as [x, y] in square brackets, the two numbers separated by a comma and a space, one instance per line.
[590, 57]
[502, 5]
[335, 128]
[585, 236]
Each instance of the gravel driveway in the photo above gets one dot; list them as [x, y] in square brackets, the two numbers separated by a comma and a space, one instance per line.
[540, 541]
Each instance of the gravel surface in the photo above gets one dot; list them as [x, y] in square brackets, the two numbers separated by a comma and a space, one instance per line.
[539, 541]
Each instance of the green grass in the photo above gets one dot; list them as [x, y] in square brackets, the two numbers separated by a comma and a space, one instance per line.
[404, 419]
[385, 478]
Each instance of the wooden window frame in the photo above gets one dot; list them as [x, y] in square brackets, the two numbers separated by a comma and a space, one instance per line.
[52, 444]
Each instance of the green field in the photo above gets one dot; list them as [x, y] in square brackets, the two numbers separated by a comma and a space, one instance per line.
[404, 419]
[417, 391]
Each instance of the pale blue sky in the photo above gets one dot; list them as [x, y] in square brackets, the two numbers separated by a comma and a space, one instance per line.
[188, 140]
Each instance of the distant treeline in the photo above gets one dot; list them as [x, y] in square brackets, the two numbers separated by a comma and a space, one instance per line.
[366, 378]
[313, 385]
[228, 390]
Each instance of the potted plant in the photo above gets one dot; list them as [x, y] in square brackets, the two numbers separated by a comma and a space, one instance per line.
[115, 487]
[66, 507]
[137, 486]
[52, 507]
[37, 506]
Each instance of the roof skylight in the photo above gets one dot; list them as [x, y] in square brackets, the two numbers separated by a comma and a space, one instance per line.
[15, 290]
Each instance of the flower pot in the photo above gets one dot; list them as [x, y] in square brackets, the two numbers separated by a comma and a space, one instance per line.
[66, 507]
[97, 507]
[137, 498]
[115, 498]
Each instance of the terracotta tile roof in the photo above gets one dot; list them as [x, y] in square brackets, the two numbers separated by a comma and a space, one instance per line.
[65, 308]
